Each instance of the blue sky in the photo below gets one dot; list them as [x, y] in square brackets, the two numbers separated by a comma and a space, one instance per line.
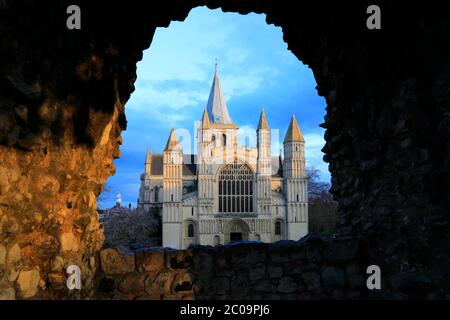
[174, 79]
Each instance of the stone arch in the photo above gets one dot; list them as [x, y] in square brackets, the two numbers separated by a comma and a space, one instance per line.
[189, 232]
[374, 103]
[235, 226]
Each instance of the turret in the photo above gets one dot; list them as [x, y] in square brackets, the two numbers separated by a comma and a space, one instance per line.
[148, 163]
[172, 191]
[295, 183]
[264, 165]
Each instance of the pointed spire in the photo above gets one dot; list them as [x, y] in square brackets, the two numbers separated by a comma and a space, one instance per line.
[263, 124]
[217, 109]
[172, 143]
[205, 120]
[294, 133]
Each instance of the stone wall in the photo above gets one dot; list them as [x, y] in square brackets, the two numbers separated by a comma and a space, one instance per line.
[62, 97]
[313, 268]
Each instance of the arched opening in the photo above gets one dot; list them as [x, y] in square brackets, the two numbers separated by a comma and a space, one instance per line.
[278, 228]
[190, 230]
[273, 76]
[236, 230]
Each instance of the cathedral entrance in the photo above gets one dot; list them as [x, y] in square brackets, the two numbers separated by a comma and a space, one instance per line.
[235, 236]
[236, 230]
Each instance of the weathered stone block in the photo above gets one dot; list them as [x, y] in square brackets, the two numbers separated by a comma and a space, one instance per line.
[28, 282]
[311, 279]
[257, 273]
[286, 285]
[221, 285]
[7, 294]
[274, 272]
[160, 285]
[150, 261]
[179, 259]
[333, 277]
[264, 286]
[116, 261]
[2, 256]
[132, 283]
[14, 256]
[70, 242]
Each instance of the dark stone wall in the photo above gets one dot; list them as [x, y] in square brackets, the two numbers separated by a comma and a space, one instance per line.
[62, 97]
[312, 268]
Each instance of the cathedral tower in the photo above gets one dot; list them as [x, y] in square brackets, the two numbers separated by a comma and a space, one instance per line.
[263, 166]
[172, 186]
[295, 181]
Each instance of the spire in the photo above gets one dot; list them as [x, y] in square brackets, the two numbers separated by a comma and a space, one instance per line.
[172, 143]
[293, 133]
[205, 120]
[217, 109]
[262, 124]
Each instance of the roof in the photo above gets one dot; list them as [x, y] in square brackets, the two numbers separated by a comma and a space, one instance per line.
[217, 109]
[263, 124]
[205, 120]
[172, 143]
[157, 165]
[294, 133]
[277, 166]
[189, 165]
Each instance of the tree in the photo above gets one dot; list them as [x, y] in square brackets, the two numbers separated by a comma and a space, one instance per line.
[132, 228]
[321, 206]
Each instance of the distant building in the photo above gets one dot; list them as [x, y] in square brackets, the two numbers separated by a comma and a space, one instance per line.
[227, 192]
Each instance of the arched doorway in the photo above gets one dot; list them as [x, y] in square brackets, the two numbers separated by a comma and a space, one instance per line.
[236, 230]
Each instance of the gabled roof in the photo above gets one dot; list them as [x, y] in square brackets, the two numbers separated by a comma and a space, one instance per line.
[294, 133]
[217, 109]
[172, 142]
[263, 124]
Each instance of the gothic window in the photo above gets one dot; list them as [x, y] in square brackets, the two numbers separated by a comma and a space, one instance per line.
[278, 228]
[297, 198]
[156, 194]
[213, 138]
[224, 139]
[190, 230]
[236, 188]
[171, 197]
[216, 240]
[192, 211]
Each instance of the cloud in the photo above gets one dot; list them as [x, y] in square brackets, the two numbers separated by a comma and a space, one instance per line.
[247, 136]
[314, 142]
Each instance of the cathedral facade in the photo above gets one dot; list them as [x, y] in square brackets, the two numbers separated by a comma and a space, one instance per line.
[227, 192]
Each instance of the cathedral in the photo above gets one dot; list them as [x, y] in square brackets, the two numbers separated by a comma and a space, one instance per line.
[227, 192]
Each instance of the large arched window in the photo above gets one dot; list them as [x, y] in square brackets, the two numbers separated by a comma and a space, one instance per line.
[236, 188]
